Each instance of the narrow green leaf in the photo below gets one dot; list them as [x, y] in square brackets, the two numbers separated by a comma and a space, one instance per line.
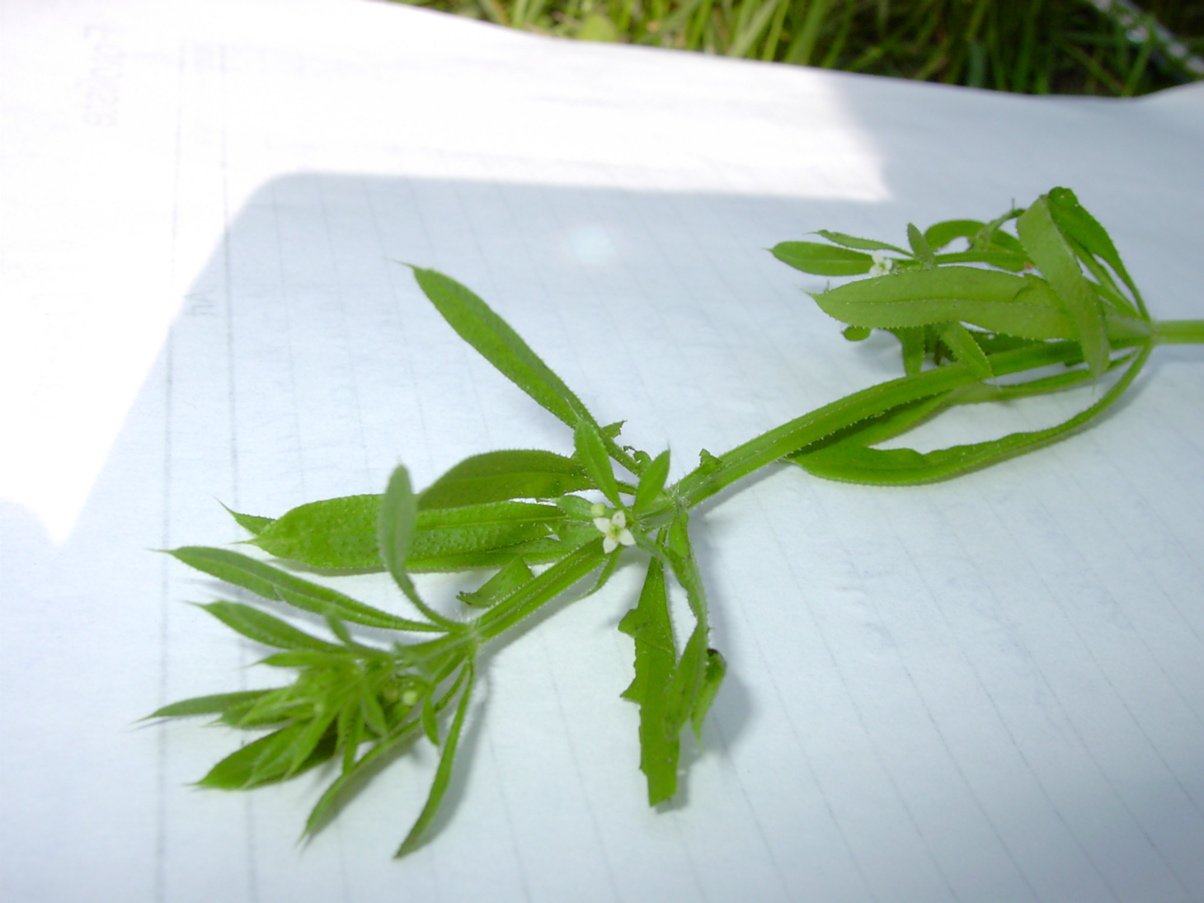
[242, 770]
[576, 507]
[1076, 223]
[938, 235]
[373, 714]
[655, 657]
[306, 658]
[914, 346]
[499, 344]
[442, 774]
[332, 533]
[508, 578]
[920, 246]
[1058, 263]
[349, 735]
[998, 302]
[473, 529]
[687, 682]
[1005, 260]
[303, 747]
[861, 244]
[965, 349]
[591, 452]
[444, 539]
[992, 235]
[264, 628]
[253, 524]
[272, 583]
[430, 723]
[207, 705]
[652, 482]
[282, 704]
[502, 475]
[713, 674]
[821, 259]
[358, 771]
[339, 629]
[395, 525]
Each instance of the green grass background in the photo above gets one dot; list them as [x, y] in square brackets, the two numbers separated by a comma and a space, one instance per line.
[1024, 46]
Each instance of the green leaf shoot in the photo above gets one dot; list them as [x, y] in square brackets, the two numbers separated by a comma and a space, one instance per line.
[1001, 318]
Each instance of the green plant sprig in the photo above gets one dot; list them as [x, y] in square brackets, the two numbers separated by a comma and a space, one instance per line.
[1055, 294]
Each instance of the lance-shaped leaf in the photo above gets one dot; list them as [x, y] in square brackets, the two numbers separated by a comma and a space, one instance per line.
[503, 475]
[395, 527]
[862, 244]
[655, 660]
[712, 679]
[1058, 263]
[1005, 260]
[591, 452]
[468, 534]
[652, 482]
[249, 766]
[217, 704]
[357, 771]
[499, 344]
[1076, 223]
[998, 302]
[272, 583]
[443, 773]
[508, 578]
[264, 628]
[920, 247]
[342, 534]
[332, 533]
[821, 259]
[960, 341]
[938, 235]
[395, 524]
[252, 523]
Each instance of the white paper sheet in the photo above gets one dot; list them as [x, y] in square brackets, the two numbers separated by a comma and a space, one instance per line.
[984, 690]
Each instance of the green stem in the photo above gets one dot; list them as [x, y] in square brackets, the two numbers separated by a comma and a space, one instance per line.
[537, 592]
[1178, 332]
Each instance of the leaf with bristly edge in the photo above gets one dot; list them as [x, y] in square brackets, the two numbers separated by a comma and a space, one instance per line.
[499, 344]
[655, 659]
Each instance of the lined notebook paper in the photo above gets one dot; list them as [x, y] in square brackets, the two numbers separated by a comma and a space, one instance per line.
[985, 690]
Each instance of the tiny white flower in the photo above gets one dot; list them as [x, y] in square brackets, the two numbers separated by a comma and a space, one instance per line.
[614, 528]
[882, 264]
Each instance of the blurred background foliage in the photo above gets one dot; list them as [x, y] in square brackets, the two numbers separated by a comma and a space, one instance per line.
[1105, 47]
